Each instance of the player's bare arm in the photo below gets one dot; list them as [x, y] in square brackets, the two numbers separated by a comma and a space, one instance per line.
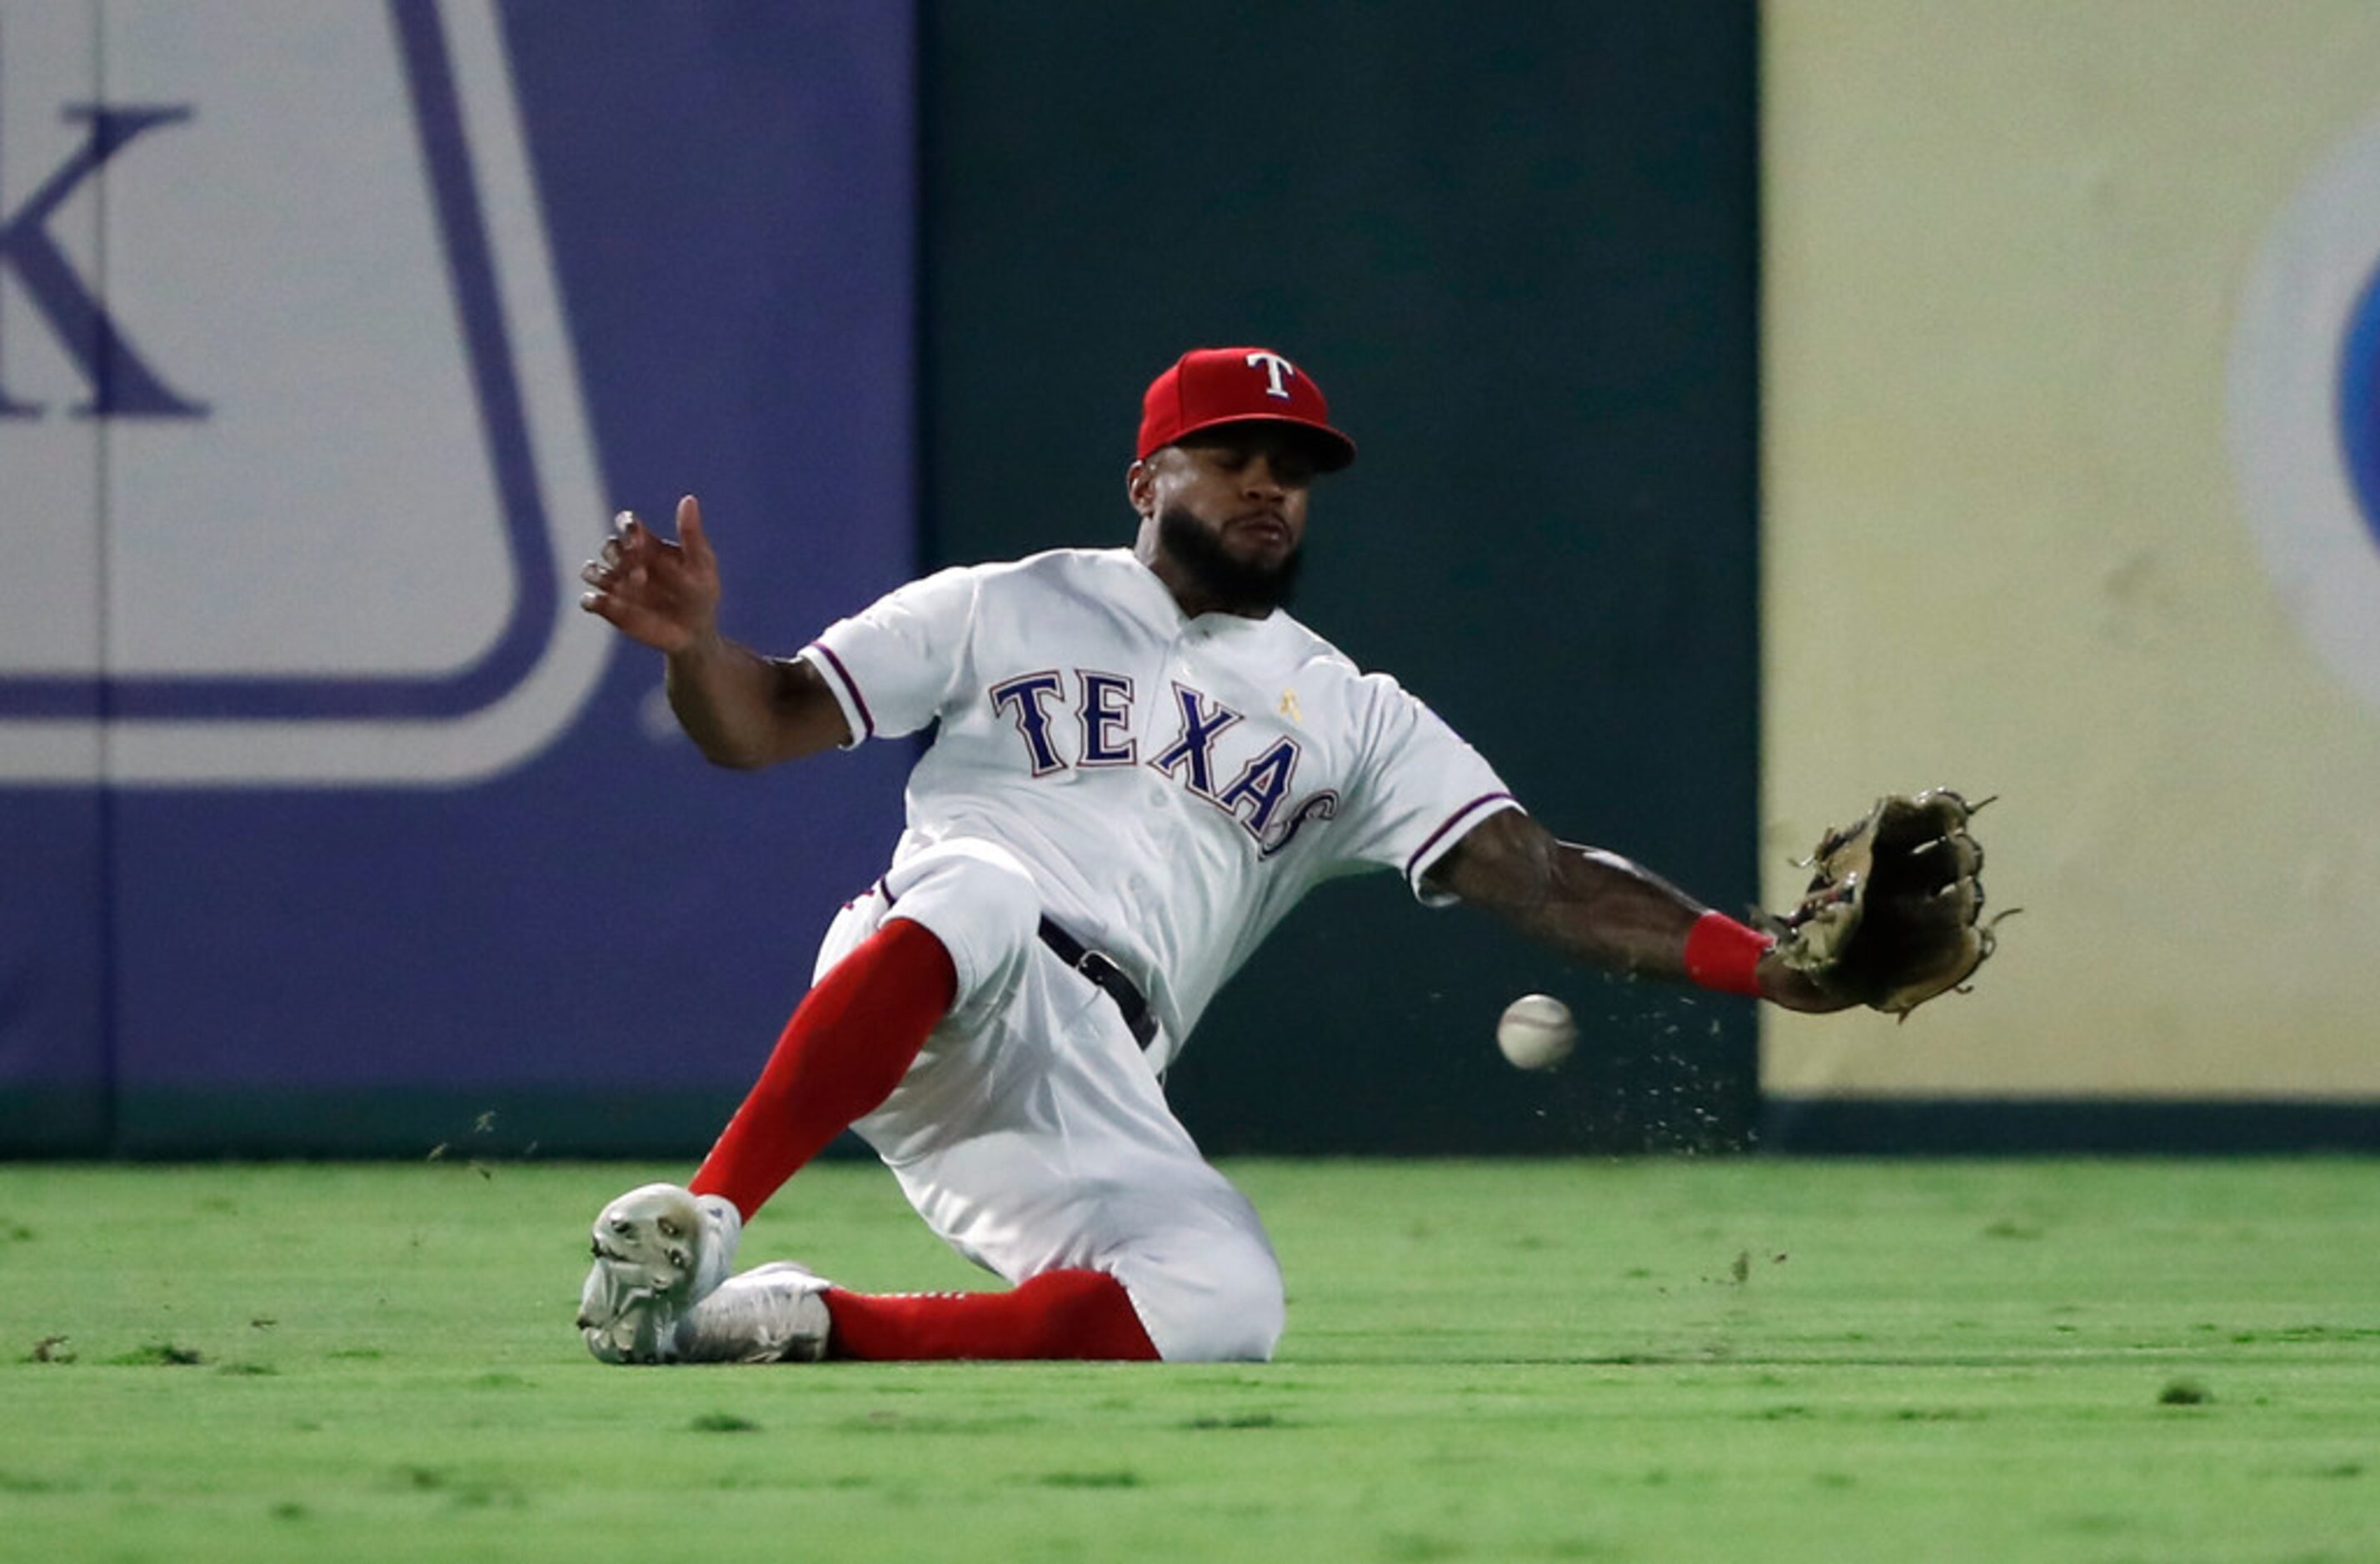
[741, 710]
[1591, 904]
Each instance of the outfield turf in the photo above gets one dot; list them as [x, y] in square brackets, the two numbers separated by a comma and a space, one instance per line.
[1658, 1360]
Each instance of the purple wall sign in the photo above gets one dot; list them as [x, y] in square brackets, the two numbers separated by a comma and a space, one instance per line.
[326, 821]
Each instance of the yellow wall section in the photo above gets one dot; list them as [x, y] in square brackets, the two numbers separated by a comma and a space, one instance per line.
[2003, 253]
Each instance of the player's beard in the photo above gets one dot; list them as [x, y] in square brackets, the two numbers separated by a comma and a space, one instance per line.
[1237, 586]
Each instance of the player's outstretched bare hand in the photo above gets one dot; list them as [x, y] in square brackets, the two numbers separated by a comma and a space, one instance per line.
[661, 593]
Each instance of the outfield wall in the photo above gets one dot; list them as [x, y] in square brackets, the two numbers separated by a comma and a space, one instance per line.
[2068, 499]
[326, 824]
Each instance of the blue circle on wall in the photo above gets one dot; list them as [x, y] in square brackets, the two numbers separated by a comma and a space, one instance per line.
[2303, 408]
[2359, 403]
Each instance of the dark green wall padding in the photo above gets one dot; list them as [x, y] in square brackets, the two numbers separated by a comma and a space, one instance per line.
[1517, 247]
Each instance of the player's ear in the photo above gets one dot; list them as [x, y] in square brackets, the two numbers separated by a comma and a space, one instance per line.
[1140, 488]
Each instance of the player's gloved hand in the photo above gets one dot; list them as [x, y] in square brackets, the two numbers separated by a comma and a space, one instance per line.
[664, 594]
[1893, 914]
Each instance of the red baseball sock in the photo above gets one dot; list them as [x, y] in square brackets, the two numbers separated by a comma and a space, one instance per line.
[1055, 1315]
[848, 1045]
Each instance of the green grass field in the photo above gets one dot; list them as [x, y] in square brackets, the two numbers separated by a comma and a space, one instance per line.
[1652, 1359]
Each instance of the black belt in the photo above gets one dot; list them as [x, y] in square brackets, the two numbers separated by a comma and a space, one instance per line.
[1095, 965]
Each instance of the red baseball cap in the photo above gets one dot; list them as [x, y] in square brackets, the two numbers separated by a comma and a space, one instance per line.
[1211, 387]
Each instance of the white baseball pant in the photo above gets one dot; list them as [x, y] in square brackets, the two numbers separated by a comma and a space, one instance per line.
[1033, 1137]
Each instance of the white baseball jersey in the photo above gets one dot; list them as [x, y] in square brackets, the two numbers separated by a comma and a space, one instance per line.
[1173, 785]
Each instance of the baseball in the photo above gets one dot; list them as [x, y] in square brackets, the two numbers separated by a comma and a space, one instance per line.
[1537, 1032]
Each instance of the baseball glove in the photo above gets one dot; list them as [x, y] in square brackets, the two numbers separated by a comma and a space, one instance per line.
[1892, 918]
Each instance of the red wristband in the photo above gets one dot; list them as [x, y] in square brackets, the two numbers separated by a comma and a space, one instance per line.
[1724, 955]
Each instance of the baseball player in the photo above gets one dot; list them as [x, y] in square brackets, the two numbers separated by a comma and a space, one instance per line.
[1141, 763]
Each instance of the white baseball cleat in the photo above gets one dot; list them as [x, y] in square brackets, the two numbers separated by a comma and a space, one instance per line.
[771, 1314]
[659, 1251]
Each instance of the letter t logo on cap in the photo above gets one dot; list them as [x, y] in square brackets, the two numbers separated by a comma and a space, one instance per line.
[1278, 371]
[1206, 389]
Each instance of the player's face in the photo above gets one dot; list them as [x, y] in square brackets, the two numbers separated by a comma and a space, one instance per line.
[1229, 512]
